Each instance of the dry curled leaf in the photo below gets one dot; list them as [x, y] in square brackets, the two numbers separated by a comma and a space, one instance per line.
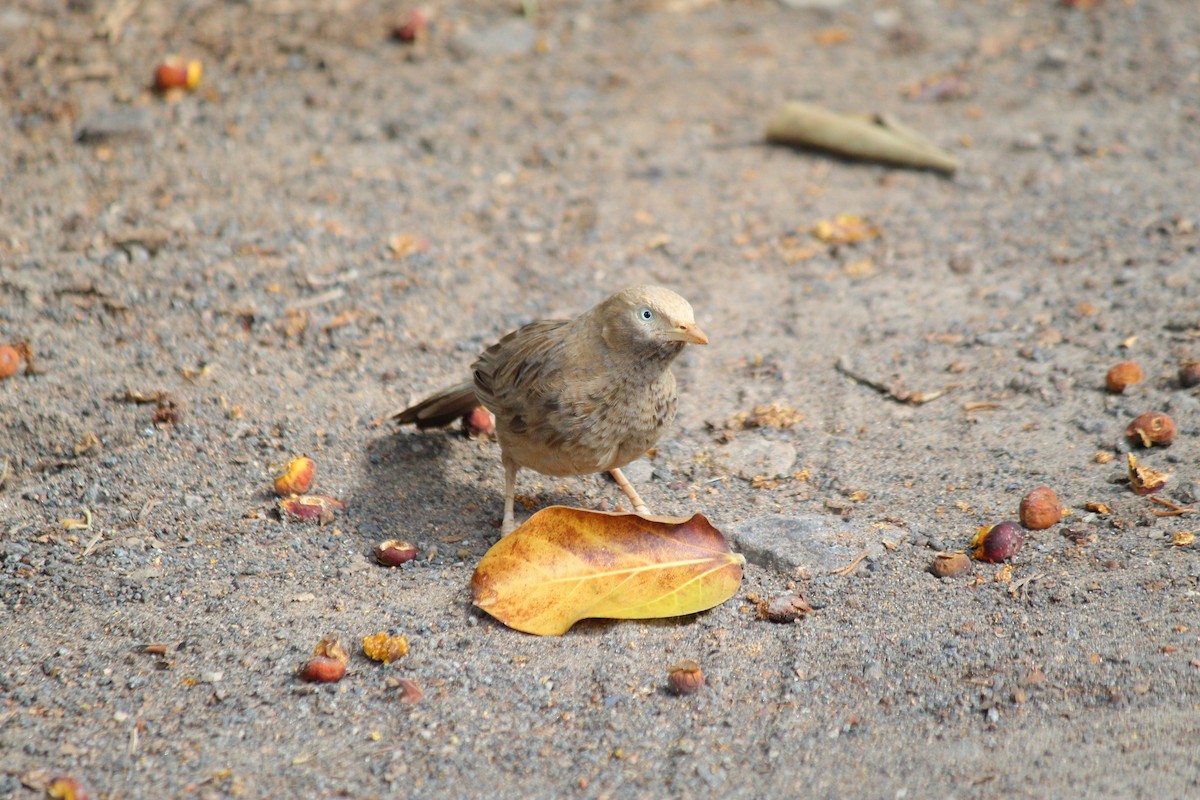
[567, 564]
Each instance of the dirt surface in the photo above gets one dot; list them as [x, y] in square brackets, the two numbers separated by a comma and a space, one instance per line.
[334, 223]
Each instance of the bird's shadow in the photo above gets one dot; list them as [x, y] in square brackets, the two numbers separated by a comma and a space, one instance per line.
[438, 488]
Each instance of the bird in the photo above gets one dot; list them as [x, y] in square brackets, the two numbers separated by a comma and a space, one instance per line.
[574, 397]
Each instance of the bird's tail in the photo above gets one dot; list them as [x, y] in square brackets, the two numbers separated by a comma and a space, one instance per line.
[442, 408]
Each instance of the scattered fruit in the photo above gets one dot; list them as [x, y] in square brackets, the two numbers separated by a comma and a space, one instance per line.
[297, 477]
[783, 609]
[321, 669]
[686, 677]
[65, 788]
[1150, 429]
[1189, 374]
[414, 29]
[950, 564]
[1143, 480]
[479, 424]
[997, 543]
[10, 359]
[328, 664]
[175, 73]
[385, 648]
[309, 507]
[1122, 376]
[1040, 509]
[394, 552]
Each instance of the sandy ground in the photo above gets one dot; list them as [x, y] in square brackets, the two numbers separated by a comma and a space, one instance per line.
[335, 223]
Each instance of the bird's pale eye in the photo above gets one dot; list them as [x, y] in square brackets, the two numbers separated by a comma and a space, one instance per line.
[645, 315]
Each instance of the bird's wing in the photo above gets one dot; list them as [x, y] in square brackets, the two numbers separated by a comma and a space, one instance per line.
[521, 366]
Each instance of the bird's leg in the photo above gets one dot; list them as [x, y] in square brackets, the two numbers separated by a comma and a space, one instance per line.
[510, 488]
[639, 507]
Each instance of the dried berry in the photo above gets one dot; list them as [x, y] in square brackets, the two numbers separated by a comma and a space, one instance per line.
[321, 669]
[297, 477]
[1040, 509]
[413, 29]
[1123, 375]
[1150, 429]
[175, 73]
[1189, 374]
[10, 359]
[394, 552]
[997, 543]
[786, 608]
[950, 565]
[385, 648]
[309, 507]
[686, 677]
[1143, 480]
[479, 424]
[66, 788]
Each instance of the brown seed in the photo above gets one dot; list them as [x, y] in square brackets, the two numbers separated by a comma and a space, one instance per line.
[686, 677]
[1040, 509]
[950, 565]
[1189, 374]
[997, 543]
[1150, 429]
[385, 648]
[1123, 375]
[321, 669]
[10, 359]
[297, 476]
[175, 73]
[394, 552]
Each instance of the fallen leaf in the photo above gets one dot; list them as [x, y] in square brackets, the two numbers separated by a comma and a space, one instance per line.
[567, 564]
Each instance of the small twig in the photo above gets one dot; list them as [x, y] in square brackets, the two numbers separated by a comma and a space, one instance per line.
[858, 559]
[1175, 510]
[894, 392]
[317, 299]
[113, 24]
[91, 545]
[1017, 585]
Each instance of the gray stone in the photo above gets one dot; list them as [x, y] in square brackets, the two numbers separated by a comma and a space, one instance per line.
[813, 542]
[510, 38]
[116, 123]
[749, 458]
[638, 472]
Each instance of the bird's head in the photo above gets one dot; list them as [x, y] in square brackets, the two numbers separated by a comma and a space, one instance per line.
[649, 318]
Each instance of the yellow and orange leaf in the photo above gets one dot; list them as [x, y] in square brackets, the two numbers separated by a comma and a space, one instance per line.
[567, 564]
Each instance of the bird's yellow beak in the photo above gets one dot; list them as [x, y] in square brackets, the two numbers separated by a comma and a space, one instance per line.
[689, 332]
